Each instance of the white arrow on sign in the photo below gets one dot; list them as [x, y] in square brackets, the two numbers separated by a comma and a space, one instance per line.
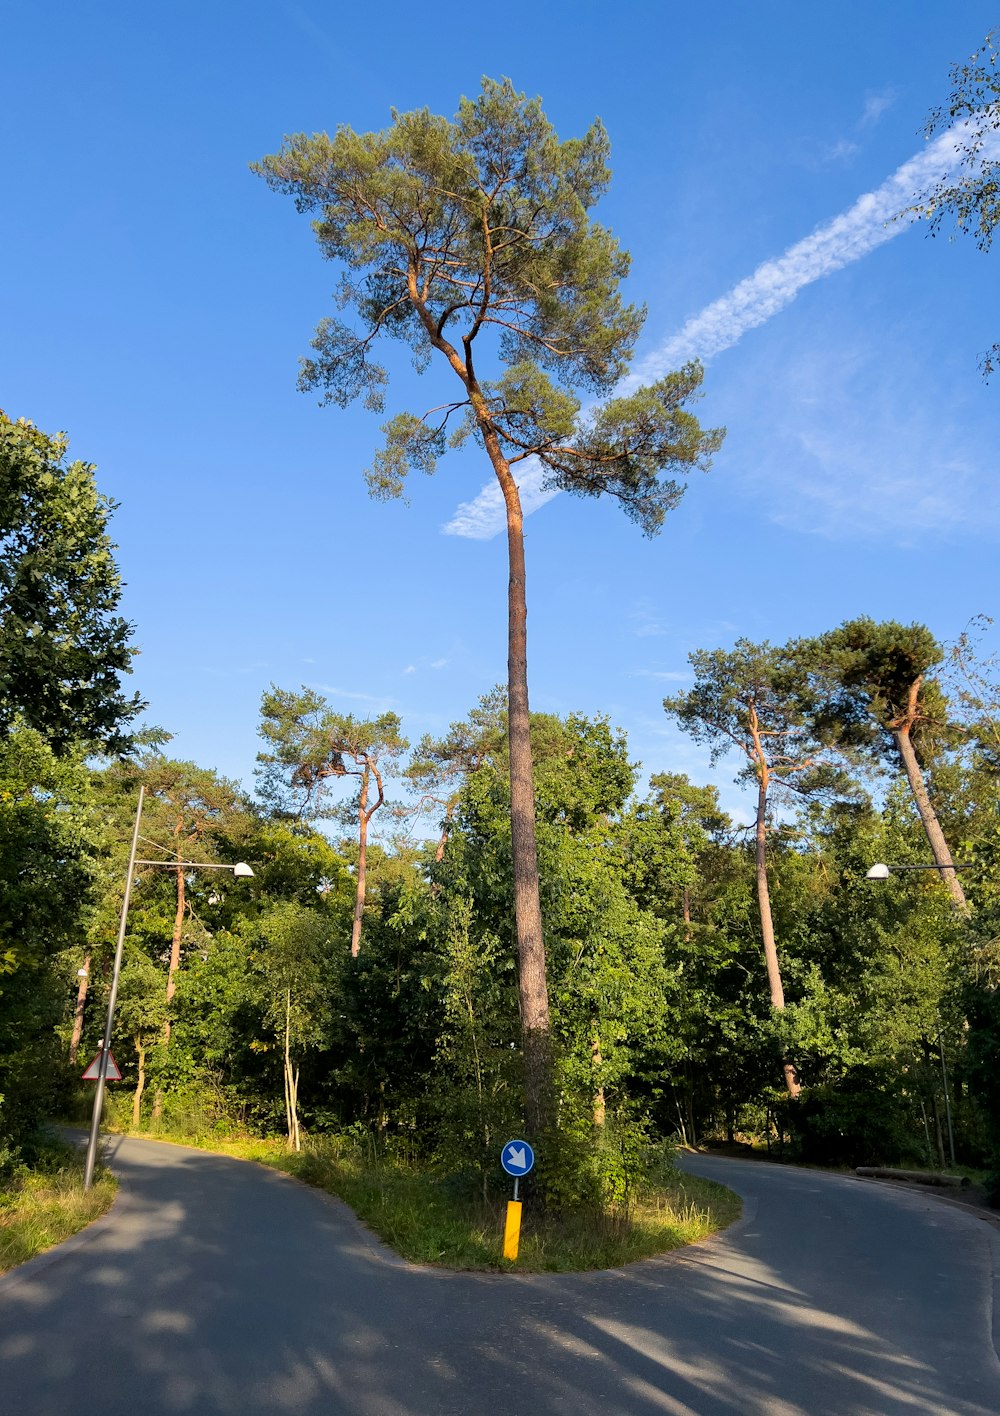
[517, 1157]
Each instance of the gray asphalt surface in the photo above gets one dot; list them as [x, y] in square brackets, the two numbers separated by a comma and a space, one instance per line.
[218, 1287]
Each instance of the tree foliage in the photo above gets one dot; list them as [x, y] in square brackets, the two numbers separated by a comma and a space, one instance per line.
[63, 647]
[970, 196]
[447, 231]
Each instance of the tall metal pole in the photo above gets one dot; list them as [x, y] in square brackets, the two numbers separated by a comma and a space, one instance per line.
[102, 1069]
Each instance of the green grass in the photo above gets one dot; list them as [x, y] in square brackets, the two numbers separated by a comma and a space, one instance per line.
[42, 1207]
[430, 1219]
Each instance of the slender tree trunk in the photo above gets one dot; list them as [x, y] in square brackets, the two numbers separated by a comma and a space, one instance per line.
[291, 1081]
[928, 816]
[534, 998]
[81, 1000]
[359, 896]
[596, 1062]
[174, 965]
[445, 832]
[175, 949]
[140, 1085]
[927, 1133]
[539, 1098]
[766, 922]
[938, 1132]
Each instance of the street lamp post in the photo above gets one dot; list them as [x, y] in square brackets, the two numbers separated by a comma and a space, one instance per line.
[241, 869]
[881, 871]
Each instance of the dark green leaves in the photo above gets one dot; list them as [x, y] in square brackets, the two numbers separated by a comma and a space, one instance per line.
[63, 648]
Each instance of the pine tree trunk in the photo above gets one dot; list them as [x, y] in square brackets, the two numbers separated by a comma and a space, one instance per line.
[359, 895]
[291, 1080]
[767, 924]
[928, 816]
[175, 951]
[534, 999]
[174, 965]
[81, 1001]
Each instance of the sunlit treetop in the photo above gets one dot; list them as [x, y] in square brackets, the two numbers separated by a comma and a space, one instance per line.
[471, 237]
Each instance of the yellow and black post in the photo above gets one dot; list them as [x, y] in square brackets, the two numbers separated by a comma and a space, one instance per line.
[512, 1228]
[517, 1158]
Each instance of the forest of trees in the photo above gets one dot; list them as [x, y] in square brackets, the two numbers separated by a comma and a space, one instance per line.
[707, 978]
[447, 941]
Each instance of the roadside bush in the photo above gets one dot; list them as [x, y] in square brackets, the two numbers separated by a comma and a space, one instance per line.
[859, 1120]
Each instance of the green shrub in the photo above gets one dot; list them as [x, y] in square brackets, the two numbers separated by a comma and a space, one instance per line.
[860, 1120]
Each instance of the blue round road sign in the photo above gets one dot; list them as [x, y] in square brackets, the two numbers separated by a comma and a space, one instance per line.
[517, 1158]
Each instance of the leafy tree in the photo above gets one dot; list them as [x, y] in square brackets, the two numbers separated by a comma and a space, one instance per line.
[691, 824]
[970, 197]
[439, 766]
[452, 234]
[140, 1016]
[189, 804]
[291, 861]
[63, 649]
[972, 675]
[292, 968]
[677, 854]
[188, 813]
[874, 692]
[47, 864]
[607, 976]
[310, 745]
[753, 698]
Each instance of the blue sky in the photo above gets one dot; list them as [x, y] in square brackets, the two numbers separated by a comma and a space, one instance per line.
[158, 296]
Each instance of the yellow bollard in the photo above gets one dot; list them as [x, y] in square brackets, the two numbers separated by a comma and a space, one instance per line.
[512, 1230]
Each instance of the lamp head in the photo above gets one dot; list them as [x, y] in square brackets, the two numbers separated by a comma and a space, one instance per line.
[242, 869]
[878, 872]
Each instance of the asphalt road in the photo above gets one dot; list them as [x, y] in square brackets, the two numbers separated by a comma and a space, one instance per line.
[218, 1287]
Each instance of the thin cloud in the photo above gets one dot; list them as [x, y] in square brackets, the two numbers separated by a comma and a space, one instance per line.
[427, 664]
[661, 675]
[842, 151]
[867, 454]
[644, 622]
[332, 692]
[874, 219]
[875, 105]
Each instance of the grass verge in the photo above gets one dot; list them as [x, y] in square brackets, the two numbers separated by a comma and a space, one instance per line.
[41, 1207]
[432, 1219]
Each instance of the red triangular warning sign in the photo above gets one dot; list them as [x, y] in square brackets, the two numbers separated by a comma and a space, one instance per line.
[93, 1072]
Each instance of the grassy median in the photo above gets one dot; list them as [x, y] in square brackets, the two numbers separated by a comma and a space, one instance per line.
[432, 1218]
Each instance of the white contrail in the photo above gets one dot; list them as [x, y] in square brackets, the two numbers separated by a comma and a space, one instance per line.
[875, 218]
